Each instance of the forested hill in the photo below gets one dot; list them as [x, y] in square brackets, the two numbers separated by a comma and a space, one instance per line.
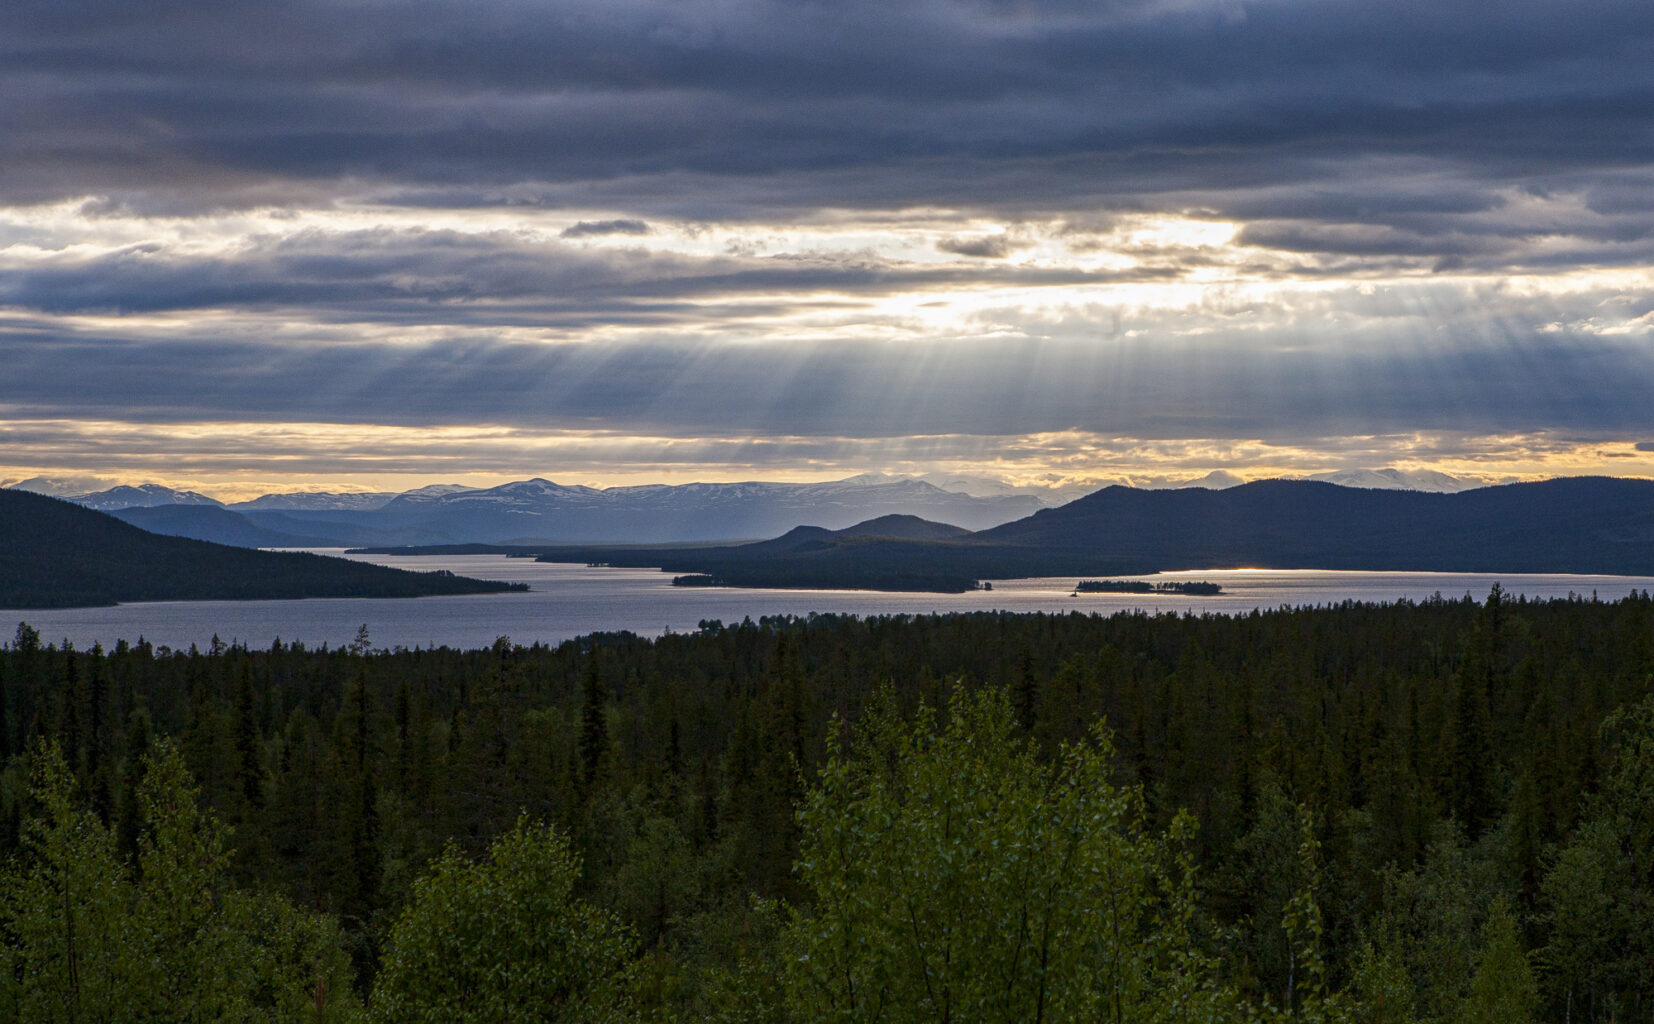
[1578, 525]
[54, 554]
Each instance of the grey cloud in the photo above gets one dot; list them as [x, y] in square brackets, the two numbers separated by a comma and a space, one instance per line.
[988, 247]
[1365, 240]
[453, 277]
[594, 228]
[721, 108]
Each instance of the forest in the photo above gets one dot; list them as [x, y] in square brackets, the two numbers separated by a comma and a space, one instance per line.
[1437, 811]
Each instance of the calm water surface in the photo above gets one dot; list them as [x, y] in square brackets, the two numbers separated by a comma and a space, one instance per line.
[569, 600]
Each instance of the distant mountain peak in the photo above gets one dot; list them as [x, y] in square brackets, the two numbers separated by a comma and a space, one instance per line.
[141, 496]
[1392, 479]
[872, 479]
[904, 527]
[58, 486]
[312, 501]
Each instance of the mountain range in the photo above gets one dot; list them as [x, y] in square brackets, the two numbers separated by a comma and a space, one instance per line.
[540, 511]
[53, 552]
[142, 496]
[1574, 525]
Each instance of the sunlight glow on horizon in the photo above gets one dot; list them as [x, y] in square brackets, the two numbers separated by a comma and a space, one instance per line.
[236, 461]
[1180, 280]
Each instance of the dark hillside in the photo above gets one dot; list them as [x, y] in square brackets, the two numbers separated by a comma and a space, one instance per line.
[215, 524]
[905, 528]
[55, 555]
[1584, 524]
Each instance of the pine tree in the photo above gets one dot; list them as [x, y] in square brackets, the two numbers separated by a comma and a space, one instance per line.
[5, 718]
[69, 734]
[594, 723]
[128, 815]
[249, 752]
[1027, 692]
[1470, 744]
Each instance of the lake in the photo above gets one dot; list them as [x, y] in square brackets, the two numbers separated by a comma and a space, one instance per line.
[570, 600]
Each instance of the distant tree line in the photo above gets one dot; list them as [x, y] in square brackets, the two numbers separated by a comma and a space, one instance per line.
[1440, 811]
[1201, 587]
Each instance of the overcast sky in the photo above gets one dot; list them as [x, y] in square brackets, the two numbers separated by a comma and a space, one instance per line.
[249, 246]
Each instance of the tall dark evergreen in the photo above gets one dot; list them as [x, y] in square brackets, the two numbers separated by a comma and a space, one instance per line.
[98, 746]
[1470, 751]
[594, 722]
[128, 813]
[69, 729]
[1026, 693]
[248, 744]
[5, 718]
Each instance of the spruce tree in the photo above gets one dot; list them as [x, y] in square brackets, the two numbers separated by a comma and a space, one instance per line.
[594, 723]
[249, 752]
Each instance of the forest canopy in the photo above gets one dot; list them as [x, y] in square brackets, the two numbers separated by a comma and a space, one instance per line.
[1433, 812]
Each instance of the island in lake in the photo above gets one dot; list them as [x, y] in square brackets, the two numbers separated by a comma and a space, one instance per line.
[1193, 587]
[697, 579]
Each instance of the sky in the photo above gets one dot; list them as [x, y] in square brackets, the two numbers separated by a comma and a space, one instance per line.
[249, 246]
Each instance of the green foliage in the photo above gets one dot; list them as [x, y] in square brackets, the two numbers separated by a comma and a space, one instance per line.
[88, 939]
[1598, 896]
[1380, 992]
[957, 878]
[1432, 920]
[504, 939]
[70, 939]
[1503, 990]
[1308, 999]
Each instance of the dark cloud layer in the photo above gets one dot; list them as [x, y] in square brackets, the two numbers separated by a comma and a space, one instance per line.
[1025, 106]
[450, 277]
[598, 228]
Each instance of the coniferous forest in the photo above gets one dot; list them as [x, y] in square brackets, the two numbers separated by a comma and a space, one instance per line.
[1438, 812]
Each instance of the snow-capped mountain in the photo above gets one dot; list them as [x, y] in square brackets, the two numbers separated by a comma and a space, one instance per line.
[1399, 480]
[1050, 495]
[662, 513]
[330, 501]
[311, 501]
[58, 486]
[984, 487]
[543, 510]
[1216, 480]
[141, 496]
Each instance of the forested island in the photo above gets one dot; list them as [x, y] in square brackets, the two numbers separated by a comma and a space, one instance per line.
[696, 580]
[1199, 587]
[54, 554]
[1429, 812]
